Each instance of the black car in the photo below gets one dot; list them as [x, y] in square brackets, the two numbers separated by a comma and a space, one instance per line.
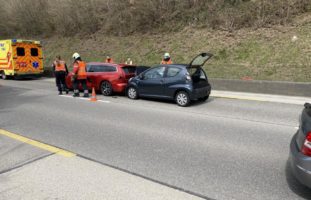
[300, 149]
[180, 82]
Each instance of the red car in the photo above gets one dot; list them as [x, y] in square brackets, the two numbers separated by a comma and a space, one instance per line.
[106, 77]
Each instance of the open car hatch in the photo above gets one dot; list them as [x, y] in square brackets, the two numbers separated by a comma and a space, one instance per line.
[200, 60]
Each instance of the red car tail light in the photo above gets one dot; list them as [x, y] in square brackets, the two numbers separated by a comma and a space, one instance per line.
[306, 148]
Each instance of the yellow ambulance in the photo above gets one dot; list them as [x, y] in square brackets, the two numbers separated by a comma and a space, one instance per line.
[20, 58]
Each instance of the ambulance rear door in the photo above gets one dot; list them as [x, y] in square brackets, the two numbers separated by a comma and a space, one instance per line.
[28, 57]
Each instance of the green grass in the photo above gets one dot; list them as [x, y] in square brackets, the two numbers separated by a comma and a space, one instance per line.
[264, 54]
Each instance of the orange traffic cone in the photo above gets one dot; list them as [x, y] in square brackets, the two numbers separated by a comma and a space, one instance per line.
[93, 97]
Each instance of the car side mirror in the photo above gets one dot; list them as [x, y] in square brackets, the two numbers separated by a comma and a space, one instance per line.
[141, 77]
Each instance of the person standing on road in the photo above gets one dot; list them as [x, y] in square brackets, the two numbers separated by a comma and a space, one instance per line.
[109, 59]
[60, 71]
[80, 77]
[129, 61]
[166, 59]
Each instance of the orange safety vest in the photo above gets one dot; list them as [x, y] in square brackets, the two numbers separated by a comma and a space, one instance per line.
[109, 60]
[166, 62]
[80, 69]
[60, 66]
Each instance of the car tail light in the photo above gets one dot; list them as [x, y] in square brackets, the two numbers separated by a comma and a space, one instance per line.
[188, 77]
[306, 148]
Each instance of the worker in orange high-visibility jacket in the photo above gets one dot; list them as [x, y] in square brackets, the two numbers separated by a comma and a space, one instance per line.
[80, 77]
[109, 60]
[166, 59]
[60, 71]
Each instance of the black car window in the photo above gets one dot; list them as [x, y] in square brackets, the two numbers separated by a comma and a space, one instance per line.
[20, 51]
[110, 69]
[172, 71]
[34, 52]
[129, 69]
[101, 68]
[197, 74]
[154, 73]
[89, 68]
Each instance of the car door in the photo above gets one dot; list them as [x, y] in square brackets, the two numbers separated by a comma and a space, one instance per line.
[91, 71]
[172, 80]
[152, 82]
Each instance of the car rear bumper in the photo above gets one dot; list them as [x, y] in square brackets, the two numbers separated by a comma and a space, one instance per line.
[30, 75]
[119, 87]
[300, 164]
[200, 93]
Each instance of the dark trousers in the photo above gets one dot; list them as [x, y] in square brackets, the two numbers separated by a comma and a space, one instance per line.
[60, 81]
[76, 84]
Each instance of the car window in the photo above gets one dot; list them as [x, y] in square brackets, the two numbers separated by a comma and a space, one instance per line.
[154, 73]
[129, 69]
[202, 75]
[172, 71]
[101, 68]
[89, 68]
[110, 69]
[197, 73]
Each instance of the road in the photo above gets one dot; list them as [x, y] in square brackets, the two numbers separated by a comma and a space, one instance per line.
[220, 149]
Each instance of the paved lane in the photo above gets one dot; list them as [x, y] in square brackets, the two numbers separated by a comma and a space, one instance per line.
[222, 149]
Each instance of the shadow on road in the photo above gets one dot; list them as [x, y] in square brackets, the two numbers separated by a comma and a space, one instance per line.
[200, 103]
[295, 185]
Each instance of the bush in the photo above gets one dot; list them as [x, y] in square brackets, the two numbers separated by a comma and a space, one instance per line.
[124, 17]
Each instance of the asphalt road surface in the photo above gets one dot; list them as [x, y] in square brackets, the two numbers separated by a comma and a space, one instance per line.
[220, 149]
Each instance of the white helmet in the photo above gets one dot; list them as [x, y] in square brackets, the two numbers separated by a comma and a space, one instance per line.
[167, 55]
[76, 56]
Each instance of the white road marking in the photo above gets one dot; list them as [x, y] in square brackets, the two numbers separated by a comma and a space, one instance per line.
[66, 96]
[83, 98]
[103, 101]
[261, 97]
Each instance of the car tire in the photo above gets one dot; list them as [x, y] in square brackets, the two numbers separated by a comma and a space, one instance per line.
[3, 76]
[182, 98]
[132, 93]
[106, 88]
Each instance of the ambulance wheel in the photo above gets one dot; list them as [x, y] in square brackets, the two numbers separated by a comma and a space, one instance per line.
[3, 76]
[106, 88]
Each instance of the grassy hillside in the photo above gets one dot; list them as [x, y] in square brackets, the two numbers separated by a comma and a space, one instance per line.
[262, 54]
[249, 38]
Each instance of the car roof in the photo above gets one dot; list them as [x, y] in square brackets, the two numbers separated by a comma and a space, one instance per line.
[110, 64]
[172, 65]
[102, 63]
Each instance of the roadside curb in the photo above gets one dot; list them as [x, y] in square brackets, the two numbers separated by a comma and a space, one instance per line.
[264, 87]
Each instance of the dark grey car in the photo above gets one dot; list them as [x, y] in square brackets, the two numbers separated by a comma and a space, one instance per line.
[300, 149]
[180, 82]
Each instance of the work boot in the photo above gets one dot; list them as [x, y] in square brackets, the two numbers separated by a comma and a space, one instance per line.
[76, 95]
[86, 95]
[60, 93]
[67, 91]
